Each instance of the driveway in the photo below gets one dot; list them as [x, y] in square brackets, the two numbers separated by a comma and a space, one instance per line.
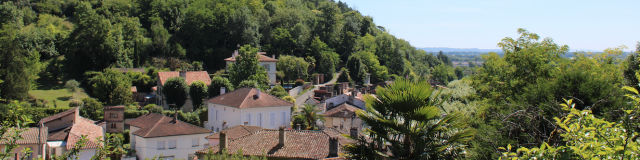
[304, 96]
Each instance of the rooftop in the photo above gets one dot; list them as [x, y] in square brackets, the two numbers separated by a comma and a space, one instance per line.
[236, 131]
[248, 98]
[344, 111]
[191, 76]
[30, 136]
[156, 125]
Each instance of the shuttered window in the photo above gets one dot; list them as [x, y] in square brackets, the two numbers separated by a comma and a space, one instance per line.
[195, 142]
[283, 118]
[160, 145]
[172, 144]
[272, 121]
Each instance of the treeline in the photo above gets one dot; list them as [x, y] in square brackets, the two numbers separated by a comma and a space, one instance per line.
[54, 40]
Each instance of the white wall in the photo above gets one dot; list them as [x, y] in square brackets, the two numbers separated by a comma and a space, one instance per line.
[337, 100]
[358, 103]
[132, 140]
[236, 116]
[347, 123]
[87, 153]
[295, 91]
[147, 147]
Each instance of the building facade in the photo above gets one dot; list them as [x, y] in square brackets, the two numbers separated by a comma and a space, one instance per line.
[114, 119]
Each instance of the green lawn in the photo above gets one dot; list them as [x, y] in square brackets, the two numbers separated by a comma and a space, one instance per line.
[60, 95]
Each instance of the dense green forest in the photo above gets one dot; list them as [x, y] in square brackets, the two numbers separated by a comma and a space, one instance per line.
[58, 40]
[533, 96]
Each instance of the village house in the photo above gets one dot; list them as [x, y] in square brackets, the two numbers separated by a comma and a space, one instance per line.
[113, 119]
[66, 128]
[269, 64]
[34, 138]
[285, 144]
[343, 117]
[248, 106]
[166, 137]
[189, 76]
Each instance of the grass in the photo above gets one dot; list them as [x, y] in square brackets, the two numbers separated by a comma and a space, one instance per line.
[62, 96]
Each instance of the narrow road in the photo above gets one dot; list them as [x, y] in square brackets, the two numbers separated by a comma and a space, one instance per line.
[304, 96]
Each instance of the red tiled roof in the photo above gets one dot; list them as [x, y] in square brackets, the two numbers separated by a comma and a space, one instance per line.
[192, 76]
[156, 125]
[59, 135]
[134, 89]
[87, 127]
[155, 88]
[237, 131]
[298, 144]
[344, 111]
[247, 98]
[59, 115]
[120, 107]
[30, 136]
[262, 58]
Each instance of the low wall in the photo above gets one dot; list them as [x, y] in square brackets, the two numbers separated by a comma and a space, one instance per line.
[295, 91]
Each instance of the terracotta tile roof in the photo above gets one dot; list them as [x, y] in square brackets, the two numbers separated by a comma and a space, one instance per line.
[262, 58]
[298, 144]
[344, 111]
[59, 134]
[117, 108]
[134, 89]
[155, 88]
[156, 125]
[192, 76]
[30, 136]
[247, 98]
[236, 131]
[125, 70]
[86, 127]
[59, 115]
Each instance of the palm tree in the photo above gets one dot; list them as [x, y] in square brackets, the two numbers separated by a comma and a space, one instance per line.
[311, 115]
[407, 116]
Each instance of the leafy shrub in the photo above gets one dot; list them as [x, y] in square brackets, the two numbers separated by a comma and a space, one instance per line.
[191, 117]
[216, 83]
[289, 99]
[153, 108]
[248, 83]
[278, 91]
[92, 109]
[299, 82]
[75, 103]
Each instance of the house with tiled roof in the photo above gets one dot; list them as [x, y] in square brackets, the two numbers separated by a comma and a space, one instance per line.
[189, 77]
[284, 144]
[343, 117]
[233, 133]
[66, 128]
[248, 106]
[34, 138]
[113, 119]
[269, 64]
[157, 135]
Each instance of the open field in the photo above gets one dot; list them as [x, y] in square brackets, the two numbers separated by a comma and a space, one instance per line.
[62, 96]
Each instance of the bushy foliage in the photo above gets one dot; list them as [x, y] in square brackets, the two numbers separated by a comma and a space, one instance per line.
[247, 67]
[198, 91]
[92, 109]
[75, 103]
[216, 83]
[299, 82]
[176, 91]
[111, 87]
[153, 108]
[278, 91]
[248, 83]
[344, 75]
[134, 113]
[292, 67]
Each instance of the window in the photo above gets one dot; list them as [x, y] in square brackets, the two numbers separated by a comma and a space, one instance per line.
[284, 118]
[216, 115]
[267, 67]
[195, 142]
[30, 155]
[160, 145]
[248, 119]
[172, 144]
[113, 125]
[259, 119]
[167, 158]
[272, 121]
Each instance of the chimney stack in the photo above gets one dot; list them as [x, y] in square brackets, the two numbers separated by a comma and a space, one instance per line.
[235, 54]
[183, 74]
[281, 135]
[333, 147]
[223, 141]
[273, 56]
[175, 117]
[222, 90]
[353, 132]
[258, 93]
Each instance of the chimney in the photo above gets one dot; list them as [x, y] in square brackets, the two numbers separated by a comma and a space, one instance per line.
[333, 147]
[368, 80]
[183, 74]
[353, 132]
[175, 117]
[222, 90]
[273, 56]
[258, 93]
[281, 135]
[223, 141]
[235, 53]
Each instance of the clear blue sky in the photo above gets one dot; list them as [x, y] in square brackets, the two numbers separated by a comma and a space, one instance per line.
[586, 25]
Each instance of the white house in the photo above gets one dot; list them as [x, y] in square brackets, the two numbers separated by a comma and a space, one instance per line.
[248, 106]
[189, 77]
[165, 137]
[343, 117]
[66, 128]
[269, 64]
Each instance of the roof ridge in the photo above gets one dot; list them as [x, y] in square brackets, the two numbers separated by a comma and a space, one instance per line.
[245, 98]
[154, 126]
